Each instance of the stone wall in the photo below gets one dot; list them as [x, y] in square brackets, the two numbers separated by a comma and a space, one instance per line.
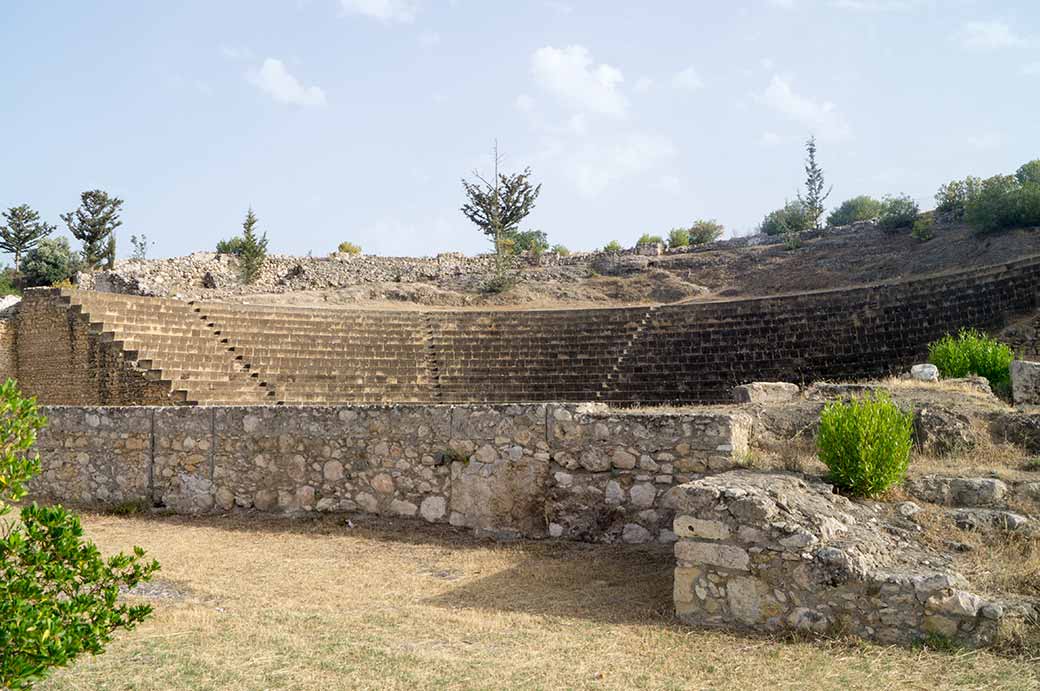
[578, 471]
[770, 552]
[62, 362]
[8, 354]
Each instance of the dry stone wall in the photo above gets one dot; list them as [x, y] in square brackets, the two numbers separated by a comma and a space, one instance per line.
[578, 471]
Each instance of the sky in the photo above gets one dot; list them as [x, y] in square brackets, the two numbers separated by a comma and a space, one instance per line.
[356, 119]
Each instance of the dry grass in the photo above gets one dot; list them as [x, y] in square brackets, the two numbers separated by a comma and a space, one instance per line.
[271, 604]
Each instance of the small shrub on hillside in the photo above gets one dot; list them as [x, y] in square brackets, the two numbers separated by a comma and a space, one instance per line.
[346, 247]
[231, 246]
[533, 241]
[862, 208]
[1029, 172]
[865, 444]
[952, 197]
[58, 597]
[612, 246]
[792, 218]
[702, 232]
[1004, 202]
[254, 249]
[648, 239]
[49, 263]
[8, 285]
[560, 251]
[897, 213]
[678, 237]
[972, 352]
[924, 228]
[499, 284]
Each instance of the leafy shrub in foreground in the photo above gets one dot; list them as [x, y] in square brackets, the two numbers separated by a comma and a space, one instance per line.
[1029, 172]
[8, 286]
[346, 247]
[898, 212]
[953, 197]
[58, 597]
[49, 263]
[792, 218]
[972, 352]
[865, 443]
[861, 208]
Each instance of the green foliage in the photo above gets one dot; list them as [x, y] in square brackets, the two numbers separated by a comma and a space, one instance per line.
[560, 251]
[346, 247]
[140, 245]
[923, 228]
[50, 262]
[1029, 172]
[533, 241]
[93, 224]
[58, 597]
[972, 352]
[704, 231]
[254, 249]
[898, 212]
[499, 284]
[612, 246]
[861, 208]
[22, 231]
[233, 246]
[814, 184]
[8, 285]
[953, 197]
[865, 443]
[793, 217]
[679, 237]
[1003, 201]
[648, 239]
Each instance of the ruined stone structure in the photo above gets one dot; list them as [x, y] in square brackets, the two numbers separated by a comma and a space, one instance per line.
[578, 471]
[88, 348]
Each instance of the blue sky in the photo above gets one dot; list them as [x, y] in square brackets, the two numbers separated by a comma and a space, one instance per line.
[355, 119]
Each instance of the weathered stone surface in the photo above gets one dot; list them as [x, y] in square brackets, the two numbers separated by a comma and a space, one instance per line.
[958, 491]
[941, 431]
[989, 519]
[924, 372]
[765, 392]
[772, 550]
[1025, 382]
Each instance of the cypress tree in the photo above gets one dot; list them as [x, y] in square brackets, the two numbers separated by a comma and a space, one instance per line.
[814, 184]
[254, 249]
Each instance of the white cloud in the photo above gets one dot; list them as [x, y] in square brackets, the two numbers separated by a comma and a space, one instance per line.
[643, 84]
[577, 82]
[990, 35]
[596, 168]
[384, 10]
[1032, 69]
[768, 64]
[821, 117]
[563, 8]
[688, 79]
[273, 79]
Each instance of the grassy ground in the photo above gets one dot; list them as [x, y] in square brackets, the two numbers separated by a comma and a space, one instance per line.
[248, 603]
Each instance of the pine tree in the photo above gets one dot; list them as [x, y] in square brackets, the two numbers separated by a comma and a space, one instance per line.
[93, 224]
[24, 230]
[814, 194]
[254, 249]
[497, 207]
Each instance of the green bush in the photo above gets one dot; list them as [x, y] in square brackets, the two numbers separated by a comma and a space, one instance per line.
[233, 246]
[58, 597]
[534, 241]
[1029, 172]
[49, 263]
[7, 282]
[861, 208]
[953, 197]
[924, 228]
[560, 251]
[612, 246]
[1004, 202]
[972, 352]
[792, 218]
[679, 237]
[865, 443]
[346, 247]
[703, 232]
[897, 213]
[647, 239]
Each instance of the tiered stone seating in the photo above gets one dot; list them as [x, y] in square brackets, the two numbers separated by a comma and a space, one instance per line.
[168, 340]
[531, 355]
[329, 356]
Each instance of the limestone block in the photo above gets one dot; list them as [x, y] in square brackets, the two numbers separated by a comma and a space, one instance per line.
[688, 526]
[765, 392]
[690, 552]
[1025, 382]
[507, 495]
[924, 372]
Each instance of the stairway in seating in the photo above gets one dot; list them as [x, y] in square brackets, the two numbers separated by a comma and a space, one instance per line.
[610, 382]
[166, 339]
